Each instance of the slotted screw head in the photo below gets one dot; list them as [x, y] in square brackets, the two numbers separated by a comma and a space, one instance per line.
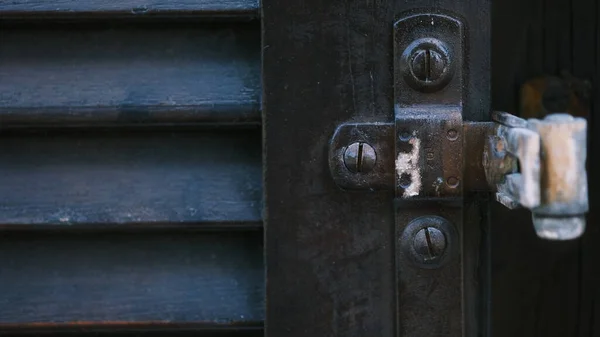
[428, 65]
[360, 157]
[429, 243]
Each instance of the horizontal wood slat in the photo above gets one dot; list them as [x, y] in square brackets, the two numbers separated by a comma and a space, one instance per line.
[130, 8]
[108, 279]
[103, 74]
[135, 330]
[121, 177]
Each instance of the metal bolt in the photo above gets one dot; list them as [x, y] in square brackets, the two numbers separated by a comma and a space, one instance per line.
[428, 65]
[452, 135]
[429, 243]
[360, 158]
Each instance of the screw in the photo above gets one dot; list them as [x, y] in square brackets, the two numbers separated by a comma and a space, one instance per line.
[428, 65]
[429, 243]
[452, 135]
[360, 158]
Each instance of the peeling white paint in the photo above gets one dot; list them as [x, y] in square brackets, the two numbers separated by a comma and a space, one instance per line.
[408, 163]
[437, 184]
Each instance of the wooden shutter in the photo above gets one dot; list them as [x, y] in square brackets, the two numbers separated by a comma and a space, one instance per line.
[130, 184]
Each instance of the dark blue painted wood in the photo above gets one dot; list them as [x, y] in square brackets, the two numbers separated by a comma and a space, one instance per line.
[142, 330]
[131, 8]
[124, 74]
[103, 278]
[142, 178]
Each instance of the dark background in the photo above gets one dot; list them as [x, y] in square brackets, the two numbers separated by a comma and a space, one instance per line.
[542, 288]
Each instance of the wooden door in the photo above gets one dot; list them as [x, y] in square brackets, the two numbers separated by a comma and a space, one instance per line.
[164, 169]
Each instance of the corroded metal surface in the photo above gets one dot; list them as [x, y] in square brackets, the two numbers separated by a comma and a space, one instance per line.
[549, 177]
[429, 160]
[475, 135]
[564, 187]
[517, 183]
[429, 168]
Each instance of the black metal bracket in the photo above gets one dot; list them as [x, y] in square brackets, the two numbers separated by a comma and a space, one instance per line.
[428, 95]
[428, 100]
[380, 136]
[420, 154]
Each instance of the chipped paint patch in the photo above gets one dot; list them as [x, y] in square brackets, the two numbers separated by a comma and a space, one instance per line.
[437, 185]
[408, 163]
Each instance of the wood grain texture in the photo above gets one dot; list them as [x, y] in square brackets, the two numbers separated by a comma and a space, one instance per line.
[119, 74]
[130, 8]
[586, 65]
[330, 253]
[517, 49]
[99, 278]
[535, 282]
[557, 35]
[543, 288]
[145, 177]
[139, 330]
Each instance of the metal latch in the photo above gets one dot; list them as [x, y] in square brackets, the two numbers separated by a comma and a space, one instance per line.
[540, 165]
[536, 164]
[429, 153]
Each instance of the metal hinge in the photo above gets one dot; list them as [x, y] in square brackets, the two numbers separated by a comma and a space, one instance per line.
[540, 165]
[429, 153]
[536, 164]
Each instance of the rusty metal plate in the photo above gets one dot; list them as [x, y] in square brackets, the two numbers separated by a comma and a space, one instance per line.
[428, 94]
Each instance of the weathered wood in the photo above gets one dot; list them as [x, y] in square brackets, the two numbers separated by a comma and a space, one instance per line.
[557, 36]
[517, 48]
[535, 282]
[124, 177]
[103, 74]
[477, 267]
[330, 253]
[139, 330]
[129, 8]
[586, 65]
[103, 278]
[543, 288]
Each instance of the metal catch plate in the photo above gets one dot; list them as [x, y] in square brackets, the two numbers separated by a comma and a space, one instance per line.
[428, 91]
[428, 83]
[429, 152]
[378, 136]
